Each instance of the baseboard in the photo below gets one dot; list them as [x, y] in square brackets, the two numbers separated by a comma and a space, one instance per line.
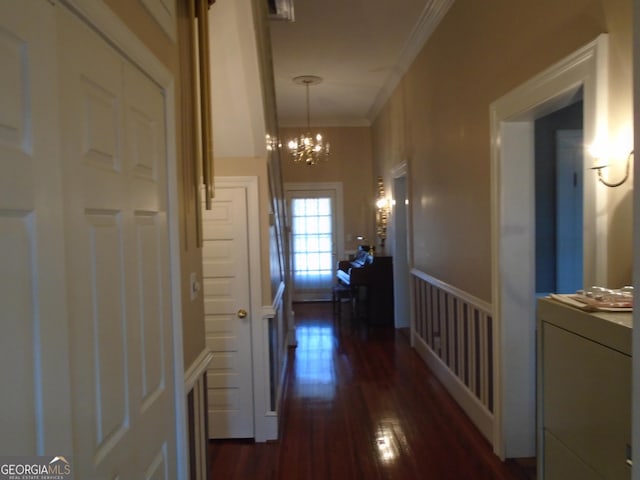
[479, 415]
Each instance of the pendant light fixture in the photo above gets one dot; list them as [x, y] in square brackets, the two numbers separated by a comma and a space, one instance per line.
[307, 148]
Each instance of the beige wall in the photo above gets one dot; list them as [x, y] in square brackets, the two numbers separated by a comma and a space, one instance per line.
[135, 16]
[243, 109]
[349, 163]
[438, 121]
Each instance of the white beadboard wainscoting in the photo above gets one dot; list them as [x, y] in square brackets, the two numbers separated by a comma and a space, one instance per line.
[454, 333]
[276, 333]
[195, 387]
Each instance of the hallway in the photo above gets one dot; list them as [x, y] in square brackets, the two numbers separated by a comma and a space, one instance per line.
[361, 404]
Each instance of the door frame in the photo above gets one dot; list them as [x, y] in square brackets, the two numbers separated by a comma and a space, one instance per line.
[339, 214]
[112, 28]
[402, 264]
[259, 350]
[513, 228]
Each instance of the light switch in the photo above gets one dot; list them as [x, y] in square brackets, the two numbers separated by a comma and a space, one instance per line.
[195, 285]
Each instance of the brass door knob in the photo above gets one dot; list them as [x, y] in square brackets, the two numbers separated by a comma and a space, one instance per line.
[242, 313]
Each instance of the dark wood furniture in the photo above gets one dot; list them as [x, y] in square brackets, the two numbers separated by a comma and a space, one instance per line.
[370, 279]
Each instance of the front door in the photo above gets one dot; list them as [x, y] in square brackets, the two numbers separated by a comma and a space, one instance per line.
[228, 313]
[313, 243]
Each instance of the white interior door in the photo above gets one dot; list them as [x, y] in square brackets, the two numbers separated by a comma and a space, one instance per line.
[35, 408]
[401, 277]
[115, 203]
[226, 290]
[569, 195]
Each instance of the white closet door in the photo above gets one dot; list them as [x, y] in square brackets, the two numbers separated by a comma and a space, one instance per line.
[35, 406]
[115, 202]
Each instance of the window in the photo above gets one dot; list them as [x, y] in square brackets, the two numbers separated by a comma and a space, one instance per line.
[312, 239]
[315, 237]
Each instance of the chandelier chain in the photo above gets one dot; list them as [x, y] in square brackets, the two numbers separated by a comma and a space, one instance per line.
[309, 149]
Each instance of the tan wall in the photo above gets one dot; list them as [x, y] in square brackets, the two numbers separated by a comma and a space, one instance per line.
[277, 232]
[243, 108]
[349, 163]
[140, 22]
[438, 121]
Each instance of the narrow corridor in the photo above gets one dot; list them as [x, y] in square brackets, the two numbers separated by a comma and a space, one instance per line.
[360, 404]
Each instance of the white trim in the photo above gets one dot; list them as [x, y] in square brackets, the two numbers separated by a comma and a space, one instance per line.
[270, 418]
[635, 392]
[513, 223]
[461, 294]
[182, 443]
[102, 18]
[196, 369]
[166, 17]
[201, 439]
[399, 170]
[271, 425]
[436, 349]
[433, 13]
[481, 417]
[269, 311]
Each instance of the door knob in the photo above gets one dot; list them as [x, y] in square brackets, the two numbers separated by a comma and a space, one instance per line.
[242, 313]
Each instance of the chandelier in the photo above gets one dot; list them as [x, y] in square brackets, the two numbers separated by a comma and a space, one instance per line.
[307, 148]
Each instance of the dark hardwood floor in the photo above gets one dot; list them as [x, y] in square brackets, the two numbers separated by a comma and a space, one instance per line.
[360, 404]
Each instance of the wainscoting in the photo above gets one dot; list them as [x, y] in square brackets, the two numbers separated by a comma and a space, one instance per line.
[454, 333]
[276, 342]
[195, 387]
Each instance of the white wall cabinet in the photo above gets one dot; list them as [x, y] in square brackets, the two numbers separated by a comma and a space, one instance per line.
[584, 393]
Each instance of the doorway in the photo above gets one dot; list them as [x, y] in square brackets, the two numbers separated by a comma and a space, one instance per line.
[400, 247]
[314, 238]
[559, 144]
[513, 229]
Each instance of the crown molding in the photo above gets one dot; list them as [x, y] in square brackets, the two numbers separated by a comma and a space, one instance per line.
[327, 123]
[433, 13]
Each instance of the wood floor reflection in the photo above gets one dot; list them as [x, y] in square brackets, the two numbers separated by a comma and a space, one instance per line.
[361, 404]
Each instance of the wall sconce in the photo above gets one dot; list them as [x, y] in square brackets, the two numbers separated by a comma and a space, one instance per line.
[601, 179]
[382, 213]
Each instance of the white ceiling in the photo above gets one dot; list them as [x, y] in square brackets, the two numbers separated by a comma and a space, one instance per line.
[360, 48]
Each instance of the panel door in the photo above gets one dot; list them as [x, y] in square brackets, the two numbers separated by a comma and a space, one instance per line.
[115, 202]
[226, 292]
[569, 224]
[34, 406]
